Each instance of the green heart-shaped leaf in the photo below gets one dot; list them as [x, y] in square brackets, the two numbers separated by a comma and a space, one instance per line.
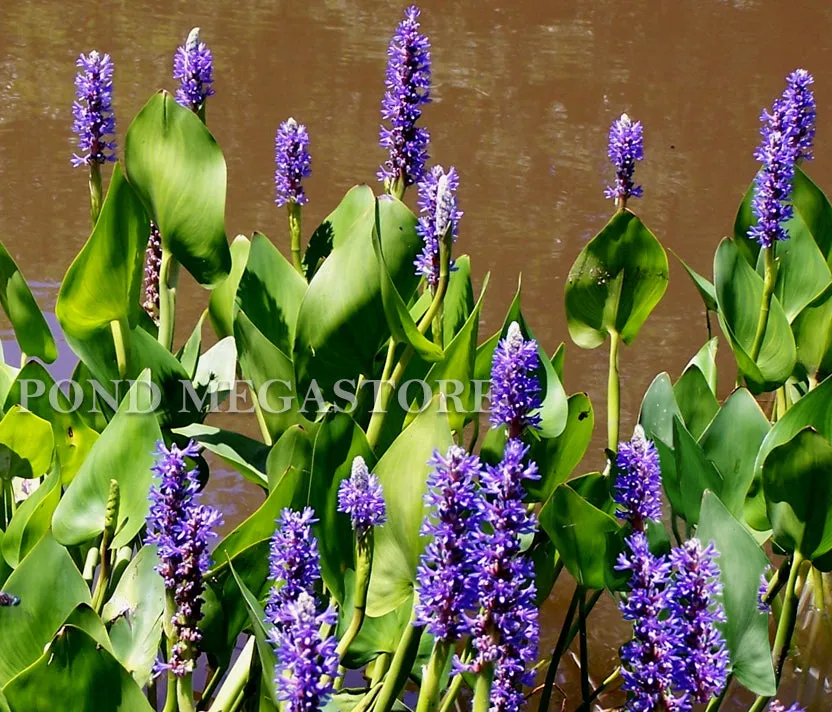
[26, 444]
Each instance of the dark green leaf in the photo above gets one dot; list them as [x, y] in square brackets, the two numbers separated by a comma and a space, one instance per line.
[32, 519]
[703, 286]
[694, 471]
[245, 455]
[222, 305]
[696, 400]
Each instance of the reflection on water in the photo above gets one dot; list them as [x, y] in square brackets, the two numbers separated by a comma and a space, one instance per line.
[524, 93]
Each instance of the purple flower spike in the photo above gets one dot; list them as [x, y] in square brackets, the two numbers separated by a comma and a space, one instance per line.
[762, 594]
[788, 132]
[193, 66]
[361, 497]
[515, 390]
[638, 486]
[95, 123]
[181, 528]
[777, 706]
[307, 663]
[447, 564]
[291, 156]
[649, 660]
[408, 89]
[702, 651]
[152, 267]
[626, 146]
[294, 563]
[437, 202]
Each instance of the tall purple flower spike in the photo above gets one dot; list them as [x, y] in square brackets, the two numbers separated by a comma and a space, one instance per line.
[362, 497]
[94, 122]
[193, 66]
[181, 528]
[626, 147]
[638, 485]
[293, 163]
[439, 210]
[515, 390]
[408, 90]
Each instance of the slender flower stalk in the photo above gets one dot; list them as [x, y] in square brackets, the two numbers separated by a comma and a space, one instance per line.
[638, 485]
[626, 147]
[702, 652]
[293, 163]
[408, 90]
[182, 529]
[152, 267]
[193, 66]
[515, 390]
[439, 211]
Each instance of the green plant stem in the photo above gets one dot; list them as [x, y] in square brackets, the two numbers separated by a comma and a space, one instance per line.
[95, 192]
[294, 211]
[168, 280]
[211, 686]
[560, 648]
[778, 581]
[586, 690]
[400, 667]
[429, 691]
[612, 679]
[768, 290]
[185, 693]
[236, 681]
[110, 522]
[482, 690]
[716, 702]
[261, 418]
[121, 338]
[367, 701]
[451, 693]
[613, 394]
[120, 562]
[363, 569]
[170, 694]
[91, 564]
[380, 667]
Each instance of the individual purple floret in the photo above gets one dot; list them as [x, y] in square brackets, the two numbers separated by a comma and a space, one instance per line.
[408, 89]
[626, 146]
[702, 652]
[788, 131]
[515, 390]
[294, 563]
[362, 497]
[638, 484]
[506, 630]
[762, 595]
[437, 202]
[95, 123]
[152, 267]
[293, 163]
[6, 599]
[307, 663]
[649, 661]
[181, 528]
[447, 564]
[777, 706]
[193, 66]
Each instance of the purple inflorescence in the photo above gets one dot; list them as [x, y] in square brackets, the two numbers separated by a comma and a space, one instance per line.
[294, 563]
[181, 528]
[638, 485]
[293, 163]
[307, 663]
[762, 595]
[152, 267]
[626, 146]
[408, 89]
[447, 564]
[362, 497]
[702, 652]
[505, 631]
[437, 202]
[6, 599]
[515, 390]
[94, 121]
[193, 66]
[650, 659]
[788, 132]
[777, 706]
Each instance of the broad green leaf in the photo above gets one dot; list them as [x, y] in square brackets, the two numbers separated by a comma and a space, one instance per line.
[26, 444]
[293, 451]
[658, 409]
[123, 452]
[703, 286]
[403, 472]
[557, 457]
[616, 281]
[104, 281]
[459, 299]
[32, 519]
[813, 336]
[558, 359]
[216, 374]
[580, 532]
[741, 562]
[739, 291]
[222, 305]
[797, 484]
[31, 331]
[341, 324]
[43, 608]
[696, 400]
[731, 443]
[5, 569]
[695, 472]
[188, 355]
[485, 355]
[77, 671]
[245, 455]
[705, 361]
[339, 440]
[134, 615]
[177, 168]
[270, 293]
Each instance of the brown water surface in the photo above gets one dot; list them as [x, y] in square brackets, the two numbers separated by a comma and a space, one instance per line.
[524, 92]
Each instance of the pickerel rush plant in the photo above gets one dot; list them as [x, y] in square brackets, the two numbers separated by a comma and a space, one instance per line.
[394, 543]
